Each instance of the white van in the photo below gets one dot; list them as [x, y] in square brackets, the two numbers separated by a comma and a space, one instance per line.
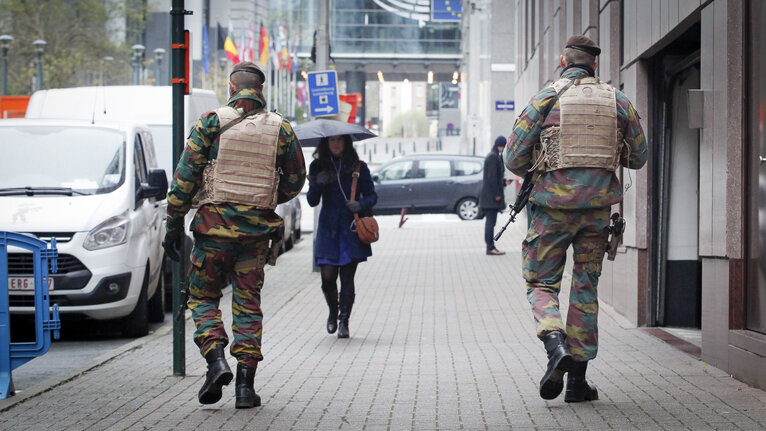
[97, 189]
[143, 104]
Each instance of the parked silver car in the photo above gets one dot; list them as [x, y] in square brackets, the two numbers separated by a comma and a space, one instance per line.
[430, 183]
[290, 212]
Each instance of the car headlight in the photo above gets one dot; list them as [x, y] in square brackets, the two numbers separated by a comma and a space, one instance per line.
[112, 232]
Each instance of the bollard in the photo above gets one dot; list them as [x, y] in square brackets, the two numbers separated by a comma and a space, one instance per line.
[400, 146]
[413, 147]
[13, 355]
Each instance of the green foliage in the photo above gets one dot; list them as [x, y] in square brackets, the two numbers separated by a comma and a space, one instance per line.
[78, 37]
[412, 123]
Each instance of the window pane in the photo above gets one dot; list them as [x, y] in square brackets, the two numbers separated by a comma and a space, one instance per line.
[434, 169]
[397, 171]
[466, 168]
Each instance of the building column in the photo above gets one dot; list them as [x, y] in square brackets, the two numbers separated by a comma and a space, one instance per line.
[355, 83]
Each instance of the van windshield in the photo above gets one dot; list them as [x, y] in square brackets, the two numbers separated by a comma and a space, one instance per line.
[77, 159]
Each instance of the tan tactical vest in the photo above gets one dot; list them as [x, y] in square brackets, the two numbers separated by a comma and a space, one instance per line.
[245, 170]
[587, 136]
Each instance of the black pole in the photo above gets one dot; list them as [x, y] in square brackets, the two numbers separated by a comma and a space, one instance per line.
[5, 70]
[177, 14]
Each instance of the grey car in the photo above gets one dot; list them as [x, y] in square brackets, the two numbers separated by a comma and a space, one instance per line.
[438, 183]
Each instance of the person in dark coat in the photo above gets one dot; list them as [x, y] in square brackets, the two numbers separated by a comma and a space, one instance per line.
[492, 198]
[338, 250]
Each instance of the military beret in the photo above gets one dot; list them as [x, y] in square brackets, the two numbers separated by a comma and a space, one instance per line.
[584, 44]
[250, 67]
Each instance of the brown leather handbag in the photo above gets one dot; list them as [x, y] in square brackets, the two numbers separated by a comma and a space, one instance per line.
[366, 227]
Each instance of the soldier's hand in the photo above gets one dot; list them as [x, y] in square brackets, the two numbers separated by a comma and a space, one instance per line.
[354, 206]
[172, 245]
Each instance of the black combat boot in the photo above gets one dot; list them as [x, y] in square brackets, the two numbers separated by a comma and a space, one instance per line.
[346, 304]
[331, 296]
[578, 389]
[559, 362]
[243, 388]
[218, 375]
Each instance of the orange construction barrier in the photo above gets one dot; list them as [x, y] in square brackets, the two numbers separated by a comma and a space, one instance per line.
[13, 106]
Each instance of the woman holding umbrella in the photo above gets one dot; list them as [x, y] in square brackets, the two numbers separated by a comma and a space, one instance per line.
[338, 250]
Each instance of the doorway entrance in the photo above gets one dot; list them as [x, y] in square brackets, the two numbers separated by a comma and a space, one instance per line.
[676, 296]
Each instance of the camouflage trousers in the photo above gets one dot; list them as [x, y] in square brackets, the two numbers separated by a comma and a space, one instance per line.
[544, 251]
[215, 262]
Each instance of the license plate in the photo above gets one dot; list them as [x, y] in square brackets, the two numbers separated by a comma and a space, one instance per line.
[25, 283]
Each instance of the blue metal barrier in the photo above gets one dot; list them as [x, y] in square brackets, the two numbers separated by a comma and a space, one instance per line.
[13, 355]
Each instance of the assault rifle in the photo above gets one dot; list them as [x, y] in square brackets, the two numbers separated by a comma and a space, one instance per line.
[521, 201]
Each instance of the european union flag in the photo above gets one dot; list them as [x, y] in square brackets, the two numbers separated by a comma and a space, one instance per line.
[446, 10]
[205, 51]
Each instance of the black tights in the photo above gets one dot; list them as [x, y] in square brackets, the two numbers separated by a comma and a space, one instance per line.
[330, 274]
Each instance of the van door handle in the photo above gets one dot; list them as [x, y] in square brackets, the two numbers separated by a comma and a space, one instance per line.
[763, 159]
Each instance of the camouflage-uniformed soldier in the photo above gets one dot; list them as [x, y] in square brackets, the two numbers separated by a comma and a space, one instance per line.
[590, 129]
[235, 179]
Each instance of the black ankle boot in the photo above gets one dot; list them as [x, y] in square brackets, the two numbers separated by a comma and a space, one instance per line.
[218, 375]
[343, 329]
[578, 389]
[559, 362]
[331, 297]
[243, 388]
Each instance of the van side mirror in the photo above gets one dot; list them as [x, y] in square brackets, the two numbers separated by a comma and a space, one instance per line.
[157, 187]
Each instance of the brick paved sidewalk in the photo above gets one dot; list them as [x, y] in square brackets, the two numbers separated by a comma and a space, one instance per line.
[441, 338]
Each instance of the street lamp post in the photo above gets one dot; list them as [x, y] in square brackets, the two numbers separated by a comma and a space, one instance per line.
[138, 51]
[159, 53]
[5, 42]
[39, 47]
[104, 62]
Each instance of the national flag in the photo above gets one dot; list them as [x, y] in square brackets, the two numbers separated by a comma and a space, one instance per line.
[221, 37]
[205, 51]
[274, 50]
[243, 45]
[296, 39]
[284, 56]
[231, 48]
[263, 47]
[250, 43]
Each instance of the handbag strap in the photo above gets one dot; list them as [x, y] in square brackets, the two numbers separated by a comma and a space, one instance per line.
[354, 180]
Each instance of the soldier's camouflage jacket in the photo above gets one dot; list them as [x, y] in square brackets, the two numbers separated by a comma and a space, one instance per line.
[231, 221]
[572, 188]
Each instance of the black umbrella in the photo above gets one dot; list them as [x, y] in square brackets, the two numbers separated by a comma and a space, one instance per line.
[311, 132]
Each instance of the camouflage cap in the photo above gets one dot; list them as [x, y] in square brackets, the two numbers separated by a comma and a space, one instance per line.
[250, 67]
[584, 44]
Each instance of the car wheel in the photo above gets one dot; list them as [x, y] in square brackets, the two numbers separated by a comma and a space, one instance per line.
[157, 302]
[468, 209]
[136, 324]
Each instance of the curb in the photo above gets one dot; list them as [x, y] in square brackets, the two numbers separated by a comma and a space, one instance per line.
[72, 374]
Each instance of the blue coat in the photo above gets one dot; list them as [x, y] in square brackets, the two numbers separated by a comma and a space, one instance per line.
[334, 218]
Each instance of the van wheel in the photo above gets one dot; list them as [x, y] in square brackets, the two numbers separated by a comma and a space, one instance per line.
[157, 302]
[136, 324]
[468, 209]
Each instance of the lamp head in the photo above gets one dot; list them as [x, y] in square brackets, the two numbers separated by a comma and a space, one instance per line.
[159, 53]
[138, 49]
[5, 40]
[39, 45]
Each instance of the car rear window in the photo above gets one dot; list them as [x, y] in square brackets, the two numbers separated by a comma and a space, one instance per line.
[434, 169]
[463, 168]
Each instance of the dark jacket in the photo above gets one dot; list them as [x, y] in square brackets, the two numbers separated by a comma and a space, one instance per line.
[334, 218]
[493, 182]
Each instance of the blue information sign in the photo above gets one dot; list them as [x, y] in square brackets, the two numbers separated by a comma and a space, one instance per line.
[323, 93]
[446, 10]
[505, 105]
